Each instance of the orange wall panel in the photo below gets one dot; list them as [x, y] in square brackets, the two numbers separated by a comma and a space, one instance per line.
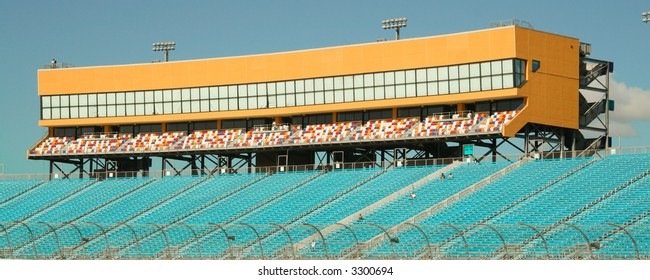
[551, 94]
[364, 58]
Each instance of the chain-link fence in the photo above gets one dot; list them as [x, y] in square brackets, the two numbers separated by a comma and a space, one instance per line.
[40, 240]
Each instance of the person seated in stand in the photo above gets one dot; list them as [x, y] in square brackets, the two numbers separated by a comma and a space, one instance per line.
[450, 176]
[360, 217]
[442, 176]
[412, 195]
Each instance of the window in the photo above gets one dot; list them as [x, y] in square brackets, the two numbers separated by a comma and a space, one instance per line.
[45, 101]
[400, 77]
[205, 93]
[358, 81]
[204, 125]
[54, 101]
[182, 126]
[380, 114]
[520, 72]
[432, 74]
[110, 98]
[300, 86]
[408, 112]
[45, 114]
[148, 96]
[290, 87]
[349, 116]
[368, 80]
[65, 100]
[453, 72]
[338, 96]
[443, 73]
[421, 75]
[406, 83]
[378, 79]
[280, 89]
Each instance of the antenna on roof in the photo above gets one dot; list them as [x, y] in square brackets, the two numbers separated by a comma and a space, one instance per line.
[511, 22]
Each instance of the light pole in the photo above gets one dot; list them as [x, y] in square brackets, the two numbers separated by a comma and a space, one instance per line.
[165, 47]
[394, 23]
[646, 17]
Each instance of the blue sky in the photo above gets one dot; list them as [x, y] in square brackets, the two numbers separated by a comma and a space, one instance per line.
[90, 33]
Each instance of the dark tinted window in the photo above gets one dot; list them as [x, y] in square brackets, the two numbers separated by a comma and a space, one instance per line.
[349, 116]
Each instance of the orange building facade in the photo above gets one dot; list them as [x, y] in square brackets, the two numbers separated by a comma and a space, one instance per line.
[539, 70]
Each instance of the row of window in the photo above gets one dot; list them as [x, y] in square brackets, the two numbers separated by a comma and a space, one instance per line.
[464, 78]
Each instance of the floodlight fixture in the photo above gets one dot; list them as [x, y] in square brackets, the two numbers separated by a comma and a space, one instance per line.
[646, 17]
[164, 47]
[394, 23]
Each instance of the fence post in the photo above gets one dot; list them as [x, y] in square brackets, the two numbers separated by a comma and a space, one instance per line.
[198, 242]
[11, 250]
[227, 238]
[169, 251]
[31, 234]
[293, 250]
[259, 240]
[636, 247]
[461, 235]
[108, 247]
[425, 237]
[321, 236]
[355, 238]
[56, 236]
[505, 247]
[538, 233]
[583, 235]
[81, 237]
[390, 239]
[137, 242]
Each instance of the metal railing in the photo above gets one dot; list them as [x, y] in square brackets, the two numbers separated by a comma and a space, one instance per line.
[58, 65]
[417, 241]
[334, 165]
[271, 128]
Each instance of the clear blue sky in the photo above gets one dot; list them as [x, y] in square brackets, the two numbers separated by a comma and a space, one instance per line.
[90, 33]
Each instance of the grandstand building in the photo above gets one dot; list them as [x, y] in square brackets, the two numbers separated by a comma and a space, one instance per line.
[382, 132]
[384, 101]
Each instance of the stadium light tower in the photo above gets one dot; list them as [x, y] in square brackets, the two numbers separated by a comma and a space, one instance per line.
[165, 47]
[394, 23]
[646, 17]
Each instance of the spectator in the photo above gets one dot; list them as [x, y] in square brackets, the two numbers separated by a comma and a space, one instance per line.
[360, 217]
[412, 195]
[442, 176]
[450, 176]
[313, 245]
